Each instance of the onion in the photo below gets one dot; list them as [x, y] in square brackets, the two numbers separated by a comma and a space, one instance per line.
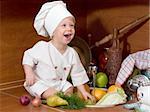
[36, 102]
[24, 100]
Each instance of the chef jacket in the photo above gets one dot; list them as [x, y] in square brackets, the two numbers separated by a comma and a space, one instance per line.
[52, 68]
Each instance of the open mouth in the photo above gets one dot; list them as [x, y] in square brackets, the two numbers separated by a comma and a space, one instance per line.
[67, 35]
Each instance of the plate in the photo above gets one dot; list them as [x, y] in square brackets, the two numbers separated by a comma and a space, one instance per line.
[105, 89]
[104, 106]
[99, 106]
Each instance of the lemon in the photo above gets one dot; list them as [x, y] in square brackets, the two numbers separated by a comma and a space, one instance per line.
[98, 93]
[114, 88]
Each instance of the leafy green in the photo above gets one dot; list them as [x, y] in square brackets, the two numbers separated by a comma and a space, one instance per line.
[73, 100]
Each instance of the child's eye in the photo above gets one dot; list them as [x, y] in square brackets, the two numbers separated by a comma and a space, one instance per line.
[72, 25]
[64, 25]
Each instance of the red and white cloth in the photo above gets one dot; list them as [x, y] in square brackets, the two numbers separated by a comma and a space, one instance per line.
[140, 59]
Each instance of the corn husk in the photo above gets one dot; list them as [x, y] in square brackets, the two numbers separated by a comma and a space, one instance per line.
[111, 99]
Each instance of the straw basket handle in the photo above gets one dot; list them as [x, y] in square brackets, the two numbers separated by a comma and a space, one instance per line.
[116, 43]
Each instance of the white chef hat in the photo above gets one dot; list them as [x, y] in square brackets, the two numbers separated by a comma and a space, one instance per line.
[49, 16]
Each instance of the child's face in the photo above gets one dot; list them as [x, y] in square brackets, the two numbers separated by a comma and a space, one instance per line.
[65, 31]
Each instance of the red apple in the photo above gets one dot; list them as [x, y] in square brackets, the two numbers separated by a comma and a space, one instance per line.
[24, 100]
[103, 58]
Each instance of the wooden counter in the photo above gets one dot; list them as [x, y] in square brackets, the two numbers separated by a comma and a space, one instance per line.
[108, 109]
[9, 102]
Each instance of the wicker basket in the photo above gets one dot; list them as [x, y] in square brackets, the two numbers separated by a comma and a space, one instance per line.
[114, 59]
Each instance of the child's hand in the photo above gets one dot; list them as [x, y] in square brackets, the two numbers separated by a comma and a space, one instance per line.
[87, 95]
[30, 75]
[30, 79]
[117, 84]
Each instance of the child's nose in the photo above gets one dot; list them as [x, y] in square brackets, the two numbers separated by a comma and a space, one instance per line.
[68, 28]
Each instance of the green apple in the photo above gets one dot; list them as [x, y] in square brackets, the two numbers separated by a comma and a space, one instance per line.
[101, 79]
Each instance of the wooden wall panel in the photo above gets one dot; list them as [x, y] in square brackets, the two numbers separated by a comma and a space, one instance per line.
[17, 33]
[102, 20]
[16, 36]
[95, 17]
